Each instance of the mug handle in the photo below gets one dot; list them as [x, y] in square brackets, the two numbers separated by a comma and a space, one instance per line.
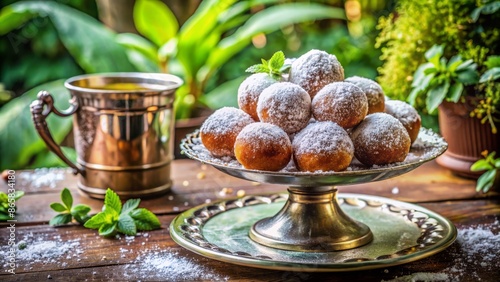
[40, 113]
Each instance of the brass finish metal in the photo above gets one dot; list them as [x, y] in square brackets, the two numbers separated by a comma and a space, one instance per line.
[123, 138]
[311, 221]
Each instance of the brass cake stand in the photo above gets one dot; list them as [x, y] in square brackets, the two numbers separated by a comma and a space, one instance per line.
[312, 220]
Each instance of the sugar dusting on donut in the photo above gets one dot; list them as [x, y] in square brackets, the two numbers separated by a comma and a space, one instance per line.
[373, 91]
[321, 137]
[315, 69]
[380, 139]
[341, 102]
[220, 129]
[286, 105]
[250, 90]
[263, 146]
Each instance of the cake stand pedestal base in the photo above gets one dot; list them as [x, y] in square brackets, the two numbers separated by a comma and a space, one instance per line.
[311, 221]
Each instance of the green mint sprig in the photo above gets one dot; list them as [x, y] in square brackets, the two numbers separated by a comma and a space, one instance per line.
[5, 205]
[126, 219]
[275, 67]
[68, 212]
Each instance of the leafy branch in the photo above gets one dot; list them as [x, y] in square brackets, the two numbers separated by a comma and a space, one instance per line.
[491, 166]
[275, 67]
[114, 217]
[441, 79]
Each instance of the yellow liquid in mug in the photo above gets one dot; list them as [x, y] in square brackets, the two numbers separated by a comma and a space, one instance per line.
[122, 86]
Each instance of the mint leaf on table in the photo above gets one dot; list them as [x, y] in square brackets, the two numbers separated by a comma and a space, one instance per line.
[67, 212]
[126, 219]
[145, 220]
[112, 200]
[275, 67]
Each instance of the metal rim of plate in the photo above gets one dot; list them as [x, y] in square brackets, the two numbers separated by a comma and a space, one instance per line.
[437, 233]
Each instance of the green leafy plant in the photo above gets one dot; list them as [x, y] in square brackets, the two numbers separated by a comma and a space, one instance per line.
[465, 28]
[213, 35]
[114, 217]
[68, 212]
[440, 79]
[488, 109]
[5, 214]
[491, 167]
[126, 219]
[275, 67]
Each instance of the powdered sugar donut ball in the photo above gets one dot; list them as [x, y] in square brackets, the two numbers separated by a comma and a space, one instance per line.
[322, 146]
[341, 102]
[407, 115]
[250, 90]
[220, 129]
[373, 92]
[315, 69]
[263, 146]
[286, 105]
[380, 139]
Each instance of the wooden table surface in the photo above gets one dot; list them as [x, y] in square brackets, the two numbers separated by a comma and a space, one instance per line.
[80, 254]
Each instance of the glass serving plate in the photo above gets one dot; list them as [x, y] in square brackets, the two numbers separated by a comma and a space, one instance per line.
[311, 224]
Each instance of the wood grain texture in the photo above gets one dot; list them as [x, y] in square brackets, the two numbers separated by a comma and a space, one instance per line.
[93, 258]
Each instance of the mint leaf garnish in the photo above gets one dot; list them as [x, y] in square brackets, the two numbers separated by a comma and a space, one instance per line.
[60, 219]
[66, 210]
[114, 218]
[126, 225]
[130, 205]
[112, 200]
[66, 198]
[145, 220]
[275, 67]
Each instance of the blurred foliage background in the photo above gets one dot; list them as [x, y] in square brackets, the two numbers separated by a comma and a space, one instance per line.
[40, 45]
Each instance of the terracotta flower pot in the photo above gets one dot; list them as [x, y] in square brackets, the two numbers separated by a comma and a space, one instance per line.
[466, 138]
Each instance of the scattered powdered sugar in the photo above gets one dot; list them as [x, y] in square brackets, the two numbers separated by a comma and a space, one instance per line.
[340, 102]
[421, 276]
[476, 248]
[42, 250]
[286, 105]
[315, 69]
[42, 177]
[167, 265]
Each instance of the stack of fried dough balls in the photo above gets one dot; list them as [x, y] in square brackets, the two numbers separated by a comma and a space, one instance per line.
[313, 116]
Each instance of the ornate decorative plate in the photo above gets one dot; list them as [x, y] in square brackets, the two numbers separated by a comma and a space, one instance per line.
[402, 233]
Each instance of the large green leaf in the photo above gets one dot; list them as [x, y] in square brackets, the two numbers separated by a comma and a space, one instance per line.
[269, 20]
[155, 20]
[491, 74]
[91, 44]
[436, 95]
[19, 141]
[195, 31]
[225, 95]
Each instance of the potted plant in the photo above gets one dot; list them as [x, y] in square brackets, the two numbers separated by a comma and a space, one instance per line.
[443, 57]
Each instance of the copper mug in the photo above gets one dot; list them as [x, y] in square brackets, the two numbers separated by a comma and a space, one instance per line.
[123, 126]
